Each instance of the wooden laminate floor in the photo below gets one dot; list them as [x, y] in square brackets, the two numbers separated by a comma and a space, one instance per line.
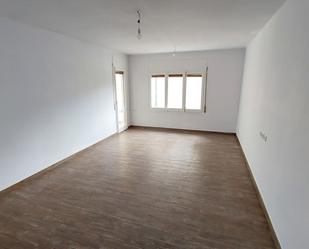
[141, 189]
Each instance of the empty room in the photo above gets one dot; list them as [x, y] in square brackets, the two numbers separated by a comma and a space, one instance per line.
[143, 124]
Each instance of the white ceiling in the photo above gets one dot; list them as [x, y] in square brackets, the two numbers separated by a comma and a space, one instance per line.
[185, 24]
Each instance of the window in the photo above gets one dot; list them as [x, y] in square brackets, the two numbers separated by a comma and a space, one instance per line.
[175, 91]
[158, 91]
[178, 92]
[194, 87]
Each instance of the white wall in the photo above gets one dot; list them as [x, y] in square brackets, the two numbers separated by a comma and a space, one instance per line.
[56, 98]
[275, 100]
[224, 83]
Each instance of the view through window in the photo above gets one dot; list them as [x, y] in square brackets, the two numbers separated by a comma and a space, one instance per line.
[177, 91]
[158, 91]
[194, 87]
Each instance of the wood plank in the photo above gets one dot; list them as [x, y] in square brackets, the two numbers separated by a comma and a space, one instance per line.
[143, 188]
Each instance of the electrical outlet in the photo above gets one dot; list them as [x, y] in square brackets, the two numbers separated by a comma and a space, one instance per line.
[263, 136]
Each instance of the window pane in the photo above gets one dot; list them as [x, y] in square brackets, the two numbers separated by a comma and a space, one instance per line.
[194, 92]
[175, 84]
[120, 99]
[158, 92]
[119, 91]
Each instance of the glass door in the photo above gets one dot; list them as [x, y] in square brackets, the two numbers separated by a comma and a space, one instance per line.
[121, 113]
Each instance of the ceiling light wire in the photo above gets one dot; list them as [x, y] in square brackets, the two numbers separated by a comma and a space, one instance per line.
[139, 31]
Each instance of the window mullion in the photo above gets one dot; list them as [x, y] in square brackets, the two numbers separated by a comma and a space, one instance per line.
[166, 91]
[203, 97]
[184, 90]
[156, 93]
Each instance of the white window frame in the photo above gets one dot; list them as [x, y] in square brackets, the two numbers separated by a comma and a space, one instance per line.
[202, 94]
[166, 92]
[149, 93]
[183, 109]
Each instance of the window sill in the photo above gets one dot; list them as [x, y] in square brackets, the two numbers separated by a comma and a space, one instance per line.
[175, 110]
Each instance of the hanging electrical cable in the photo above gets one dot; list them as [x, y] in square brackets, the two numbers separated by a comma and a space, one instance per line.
[139, 31]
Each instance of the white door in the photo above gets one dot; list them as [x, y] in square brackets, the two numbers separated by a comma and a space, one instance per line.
[121, 113]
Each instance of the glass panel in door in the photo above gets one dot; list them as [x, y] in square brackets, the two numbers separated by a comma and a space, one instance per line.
[121, 110]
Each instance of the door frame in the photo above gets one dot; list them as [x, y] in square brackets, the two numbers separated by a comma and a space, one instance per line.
[115, 71]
